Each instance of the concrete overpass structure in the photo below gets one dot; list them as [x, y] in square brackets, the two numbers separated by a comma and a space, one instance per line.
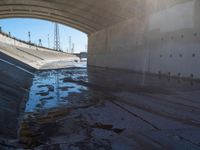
[98, 108]
[151, 36]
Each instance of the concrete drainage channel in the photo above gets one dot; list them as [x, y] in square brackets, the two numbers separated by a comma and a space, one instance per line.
[92, 108]
[54, 102]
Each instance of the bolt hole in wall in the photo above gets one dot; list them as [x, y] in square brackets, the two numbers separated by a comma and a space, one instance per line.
[181, 56]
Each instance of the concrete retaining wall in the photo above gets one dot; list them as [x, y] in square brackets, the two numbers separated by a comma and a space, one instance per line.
[12, 41]
[162, 38]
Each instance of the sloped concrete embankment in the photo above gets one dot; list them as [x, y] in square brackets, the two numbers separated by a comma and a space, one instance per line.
[17, 69]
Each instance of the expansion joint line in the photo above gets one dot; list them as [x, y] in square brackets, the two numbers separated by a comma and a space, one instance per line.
[135, 115]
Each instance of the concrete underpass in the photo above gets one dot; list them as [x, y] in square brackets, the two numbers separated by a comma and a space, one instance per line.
[140, 89]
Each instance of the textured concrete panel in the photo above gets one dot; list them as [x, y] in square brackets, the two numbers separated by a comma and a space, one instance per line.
[164, 39]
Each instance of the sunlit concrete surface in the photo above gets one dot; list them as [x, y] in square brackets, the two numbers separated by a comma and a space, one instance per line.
[35, 58]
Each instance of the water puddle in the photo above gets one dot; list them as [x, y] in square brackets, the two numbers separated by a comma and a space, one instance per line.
[50, 89]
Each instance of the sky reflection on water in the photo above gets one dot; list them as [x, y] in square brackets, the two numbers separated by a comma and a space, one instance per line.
[50, 89]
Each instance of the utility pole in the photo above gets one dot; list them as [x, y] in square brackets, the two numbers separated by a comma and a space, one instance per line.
[56, 38]
[48, 42]
[40, 43]
[70, 44]
[29, 37]
[86, 48]
[73, 47]
[67, 48]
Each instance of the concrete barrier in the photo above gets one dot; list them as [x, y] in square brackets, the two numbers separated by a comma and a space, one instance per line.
[29, 56]
[5, 38]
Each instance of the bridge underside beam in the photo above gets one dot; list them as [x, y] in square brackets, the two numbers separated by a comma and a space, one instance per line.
[88, 16]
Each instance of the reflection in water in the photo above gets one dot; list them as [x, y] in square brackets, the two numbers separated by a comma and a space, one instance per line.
[53, 96]
[50, 89]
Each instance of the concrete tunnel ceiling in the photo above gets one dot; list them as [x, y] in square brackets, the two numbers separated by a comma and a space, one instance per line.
[85, 15]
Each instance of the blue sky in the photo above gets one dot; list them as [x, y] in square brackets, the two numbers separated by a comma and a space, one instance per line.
[19, 28]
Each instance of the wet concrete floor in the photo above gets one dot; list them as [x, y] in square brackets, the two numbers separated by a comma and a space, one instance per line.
[99, 109]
